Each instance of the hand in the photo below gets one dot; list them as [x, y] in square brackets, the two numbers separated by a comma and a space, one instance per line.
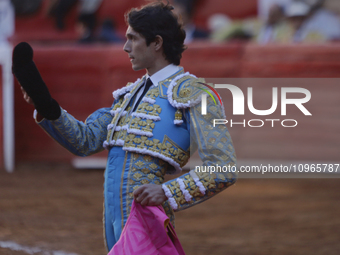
[150, 194]
[26, 96]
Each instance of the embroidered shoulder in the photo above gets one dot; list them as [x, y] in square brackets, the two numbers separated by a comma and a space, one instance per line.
[128, 88]
[184, 91]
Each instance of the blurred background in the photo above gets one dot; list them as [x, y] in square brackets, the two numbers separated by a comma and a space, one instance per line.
[78, 49]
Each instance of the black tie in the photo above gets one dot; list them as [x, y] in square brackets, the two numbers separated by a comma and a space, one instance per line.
[146, 88]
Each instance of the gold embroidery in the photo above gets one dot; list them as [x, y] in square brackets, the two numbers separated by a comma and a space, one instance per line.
[153, 93]
[122, 134]
[167, 148]
[221, 176]
[122, 103]
[217, 134]
[139, 163]
[212, 140]
[141, 142]
[166, 83]
[115, 136]
[217, 152]
[149, 108]
[220, 145]
[156, 110]
[180, 200]
[187, 92]
[140, 173]
[178, 115]
[224, 157]
[141, 107]
[147, 158]
[145, 181]
[145, 170]
[151, 176]
[134, 123]
[129, 139]
[213, 108]
[230, 147]
[149, 125]
[153, 166]
[121, 188]
[158, 174]
[137, 176]
[224, 140]
[207, 116]
[135, 187]
[154, 146]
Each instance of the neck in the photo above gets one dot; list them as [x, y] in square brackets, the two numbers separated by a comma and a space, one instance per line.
[158, 65]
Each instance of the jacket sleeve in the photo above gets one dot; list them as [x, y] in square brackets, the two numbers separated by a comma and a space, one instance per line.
[216, 150]
[82, 139]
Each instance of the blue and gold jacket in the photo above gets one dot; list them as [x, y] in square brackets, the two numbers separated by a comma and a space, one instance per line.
[167, 125]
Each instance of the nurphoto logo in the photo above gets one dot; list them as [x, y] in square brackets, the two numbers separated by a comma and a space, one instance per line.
[239, 102]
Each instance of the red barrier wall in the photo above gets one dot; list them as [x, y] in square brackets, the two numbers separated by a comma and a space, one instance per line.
[81, 79]
[291, 61]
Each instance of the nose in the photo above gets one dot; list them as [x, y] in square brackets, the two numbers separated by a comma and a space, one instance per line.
[127, 47]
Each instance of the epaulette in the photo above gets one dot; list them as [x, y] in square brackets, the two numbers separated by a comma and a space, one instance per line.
[184, 92]
[128, 88]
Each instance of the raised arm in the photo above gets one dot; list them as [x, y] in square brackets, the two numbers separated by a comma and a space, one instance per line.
[79, 138]
[33, 85]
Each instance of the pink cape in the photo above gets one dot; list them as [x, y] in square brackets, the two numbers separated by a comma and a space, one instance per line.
[148, 231]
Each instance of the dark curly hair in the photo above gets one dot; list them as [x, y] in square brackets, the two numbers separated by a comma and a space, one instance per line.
[158, 19]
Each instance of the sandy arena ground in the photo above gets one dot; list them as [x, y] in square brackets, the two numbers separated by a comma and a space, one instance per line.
[56, 209]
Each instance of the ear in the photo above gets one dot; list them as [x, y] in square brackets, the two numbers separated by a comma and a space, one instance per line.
[158, 42]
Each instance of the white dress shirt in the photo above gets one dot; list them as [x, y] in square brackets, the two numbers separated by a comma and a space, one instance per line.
[157, 77]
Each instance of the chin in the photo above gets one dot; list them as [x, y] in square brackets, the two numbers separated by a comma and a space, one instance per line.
[136, 68]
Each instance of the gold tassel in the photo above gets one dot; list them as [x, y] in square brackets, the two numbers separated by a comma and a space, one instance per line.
[178, 115]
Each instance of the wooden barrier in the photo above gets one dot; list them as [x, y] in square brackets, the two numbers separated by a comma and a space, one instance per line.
[81, 79]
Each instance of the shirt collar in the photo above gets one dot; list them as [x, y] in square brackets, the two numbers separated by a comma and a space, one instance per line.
[163, 74]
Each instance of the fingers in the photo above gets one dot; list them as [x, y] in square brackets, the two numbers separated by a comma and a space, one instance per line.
[149, 194]
[141, 196]
[145, 201]
[138, 191]
[26, 97]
